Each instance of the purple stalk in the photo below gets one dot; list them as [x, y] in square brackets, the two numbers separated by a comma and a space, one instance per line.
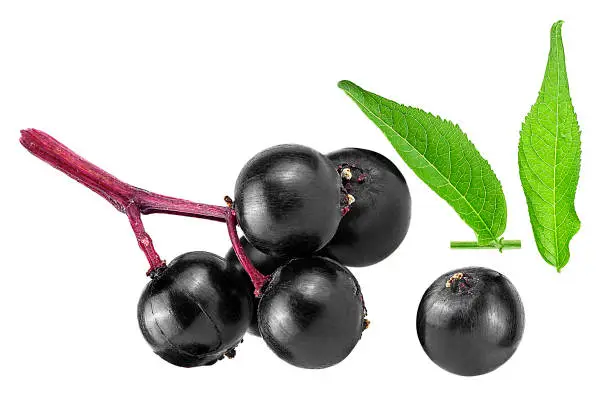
[134, 201]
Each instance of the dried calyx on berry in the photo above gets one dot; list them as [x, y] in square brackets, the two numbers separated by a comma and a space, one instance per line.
[376, 207]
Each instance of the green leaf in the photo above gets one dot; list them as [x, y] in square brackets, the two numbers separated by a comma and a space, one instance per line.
[549, 160]
[443, 157]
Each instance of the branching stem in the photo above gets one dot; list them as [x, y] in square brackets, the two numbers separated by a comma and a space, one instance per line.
[134, 201]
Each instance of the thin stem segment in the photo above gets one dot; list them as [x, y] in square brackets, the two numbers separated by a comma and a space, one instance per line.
[259, 280]
[134, 201]
[500, 245]
[144, 240]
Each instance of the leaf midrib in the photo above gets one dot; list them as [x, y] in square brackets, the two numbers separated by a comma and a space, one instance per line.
[556, 147]
[363, 106]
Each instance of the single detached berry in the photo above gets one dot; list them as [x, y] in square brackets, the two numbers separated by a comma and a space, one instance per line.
[470, 321]
[196, 310]
[264, 263]
[288, 200]
[311, 314]
[378, 208]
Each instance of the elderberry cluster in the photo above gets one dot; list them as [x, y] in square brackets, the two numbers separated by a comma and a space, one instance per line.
[305, 217]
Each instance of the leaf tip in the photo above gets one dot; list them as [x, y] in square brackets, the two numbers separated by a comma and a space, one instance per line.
[556, 27]
[346, 84]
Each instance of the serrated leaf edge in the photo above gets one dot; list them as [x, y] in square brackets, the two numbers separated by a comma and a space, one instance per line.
[492, 237]
[556, 36]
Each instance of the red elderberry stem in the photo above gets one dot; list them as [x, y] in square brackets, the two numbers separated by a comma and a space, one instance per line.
[259, 280]
[144, 240]
[134, 201]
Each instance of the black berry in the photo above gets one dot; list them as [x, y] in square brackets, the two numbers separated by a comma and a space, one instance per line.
[379, 210]
[288, 200]
[311, 314]
[195, 310]
[470, 321]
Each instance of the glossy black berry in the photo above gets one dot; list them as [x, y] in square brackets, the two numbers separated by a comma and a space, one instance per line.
[264, 263]
[311, 314]
[288, 200]
[470, 321]
[379, 208]
[196, 310]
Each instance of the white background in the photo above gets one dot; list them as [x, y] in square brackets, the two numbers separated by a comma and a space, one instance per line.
[176, 96]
